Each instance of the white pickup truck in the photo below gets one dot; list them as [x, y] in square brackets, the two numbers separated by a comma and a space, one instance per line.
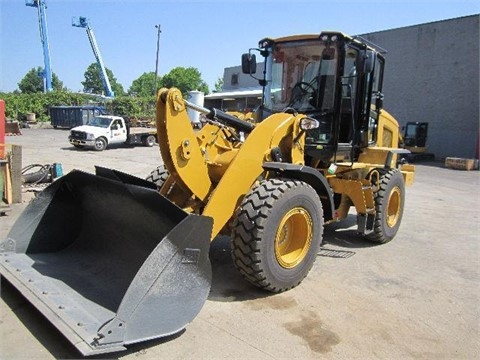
[101, 131]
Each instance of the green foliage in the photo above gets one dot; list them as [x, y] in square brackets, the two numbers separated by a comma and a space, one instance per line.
[93, 81]
[17, 105]
[144, 85]
[219, 85]
[32, 82]
[133, 107]
[140, 106]
[185, 79]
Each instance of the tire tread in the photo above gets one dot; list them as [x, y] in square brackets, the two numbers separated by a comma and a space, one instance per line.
[250, 219]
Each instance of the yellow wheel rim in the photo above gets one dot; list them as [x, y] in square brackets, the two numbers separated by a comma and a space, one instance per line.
[293, 238]
[394, 206]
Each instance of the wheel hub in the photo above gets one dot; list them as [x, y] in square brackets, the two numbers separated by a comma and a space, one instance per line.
[394, 206]
[293, 238]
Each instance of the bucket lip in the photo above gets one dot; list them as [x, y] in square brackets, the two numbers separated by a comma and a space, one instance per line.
[22, 278]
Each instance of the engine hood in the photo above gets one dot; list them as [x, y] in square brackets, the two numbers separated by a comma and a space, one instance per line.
[91, 129]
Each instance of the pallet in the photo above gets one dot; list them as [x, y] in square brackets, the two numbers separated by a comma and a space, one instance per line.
[461, 164]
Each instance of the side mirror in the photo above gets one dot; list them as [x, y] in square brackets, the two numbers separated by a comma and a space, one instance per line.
[249, 64]
[114, 127]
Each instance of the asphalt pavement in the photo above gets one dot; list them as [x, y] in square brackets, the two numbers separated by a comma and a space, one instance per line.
[417, 297]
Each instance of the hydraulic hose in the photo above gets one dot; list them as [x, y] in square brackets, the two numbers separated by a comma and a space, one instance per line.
[222, 116]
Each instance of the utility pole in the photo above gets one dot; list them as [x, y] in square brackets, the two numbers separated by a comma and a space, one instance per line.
[156, 61]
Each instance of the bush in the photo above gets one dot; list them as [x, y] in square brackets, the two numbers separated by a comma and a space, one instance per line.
[133, 107]
[18, 105]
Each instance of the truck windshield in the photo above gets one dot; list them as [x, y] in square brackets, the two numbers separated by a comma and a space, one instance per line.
[303, 76]
[99, 122]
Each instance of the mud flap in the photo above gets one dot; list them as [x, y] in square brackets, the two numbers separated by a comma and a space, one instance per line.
[109, 261]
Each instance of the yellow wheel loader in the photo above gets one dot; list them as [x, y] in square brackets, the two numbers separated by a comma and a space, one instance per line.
[415, 140]
[111, 259]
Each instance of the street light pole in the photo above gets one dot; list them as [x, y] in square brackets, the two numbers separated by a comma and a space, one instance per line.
[156, 62]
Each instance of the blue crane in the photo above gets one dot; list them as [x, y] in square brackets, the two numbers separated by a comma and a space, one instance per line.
[42, 21]
[83, 23]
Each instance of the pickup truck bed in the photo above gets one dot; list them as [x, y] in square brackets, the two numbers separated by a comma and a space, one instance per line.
[142, 130]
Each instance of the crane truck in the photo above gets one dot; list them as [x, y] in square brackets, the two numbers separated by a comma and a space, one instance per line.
[111, 259]
[42, 24]
[84, 23]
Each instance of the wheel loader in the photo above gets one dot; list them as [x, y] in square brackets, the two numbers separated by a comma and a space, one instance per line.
[111, 259]
[414, 139]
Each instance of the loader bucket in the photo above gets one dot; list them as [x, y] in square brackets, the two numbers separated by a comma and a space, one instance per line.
[109, 261]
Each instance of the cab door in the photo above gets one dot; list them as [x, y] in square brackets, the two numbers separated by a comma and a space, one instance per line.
[376, 84]
[118, 132]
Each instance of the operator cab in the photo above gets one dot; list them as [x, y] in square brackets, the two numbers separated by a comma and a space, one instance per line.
[330, 77]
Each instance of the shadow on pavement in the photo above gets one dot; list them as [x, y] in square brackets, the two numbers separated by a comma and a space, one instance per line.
[227, 283]
[227, 286]
[344, 234]
[51, 338]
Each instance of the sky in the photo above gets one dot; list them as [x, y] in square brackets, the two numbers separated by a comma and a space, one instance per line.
[208, 35]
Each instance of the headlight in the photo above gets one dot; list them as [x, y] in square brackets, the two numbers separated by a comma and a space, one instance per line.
[90, 137]
[309, 123]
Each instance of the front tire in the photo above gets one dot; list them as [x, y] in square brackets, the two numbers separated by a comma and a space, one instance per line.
[277, 234]
[158, 176]
[389, 204]
[100, 144]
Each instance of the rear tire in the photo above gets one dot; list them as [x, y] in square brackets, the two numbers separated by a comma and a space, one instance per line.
[277, 234]
[389, 204]
[149, 140]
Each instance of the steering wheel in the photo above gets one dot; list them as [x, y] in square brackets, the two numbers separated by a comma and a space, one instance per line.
[304, 86]
[300, 89]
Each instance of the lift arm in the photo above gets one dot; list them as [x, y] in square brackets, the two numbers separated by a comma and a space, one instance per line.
[214, 166]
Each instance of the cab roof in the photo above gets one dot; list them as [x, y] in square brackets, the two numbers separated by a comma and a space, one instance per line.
[306, 37]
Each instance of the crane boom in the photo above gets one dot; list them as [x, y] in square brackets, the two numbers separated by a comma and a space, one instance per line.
[83, 22]
[42, 22]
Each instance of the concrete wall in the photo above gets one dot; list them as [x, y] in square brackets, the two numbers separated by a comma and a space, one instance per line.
[244, 80]
[234, 81]
[432, 75]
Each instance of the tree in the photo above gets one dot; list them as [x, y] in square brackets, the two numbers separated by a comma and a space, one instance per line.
[32, 82]
[93, 81]
[185, 79]
[219, 85]
[144, 85]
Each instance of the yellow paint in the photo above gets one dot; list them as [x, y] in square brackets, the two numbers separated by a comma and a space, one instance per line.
[246, 168]
[209, 171]
[178, 144]
[293, 237]
[388, 130]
